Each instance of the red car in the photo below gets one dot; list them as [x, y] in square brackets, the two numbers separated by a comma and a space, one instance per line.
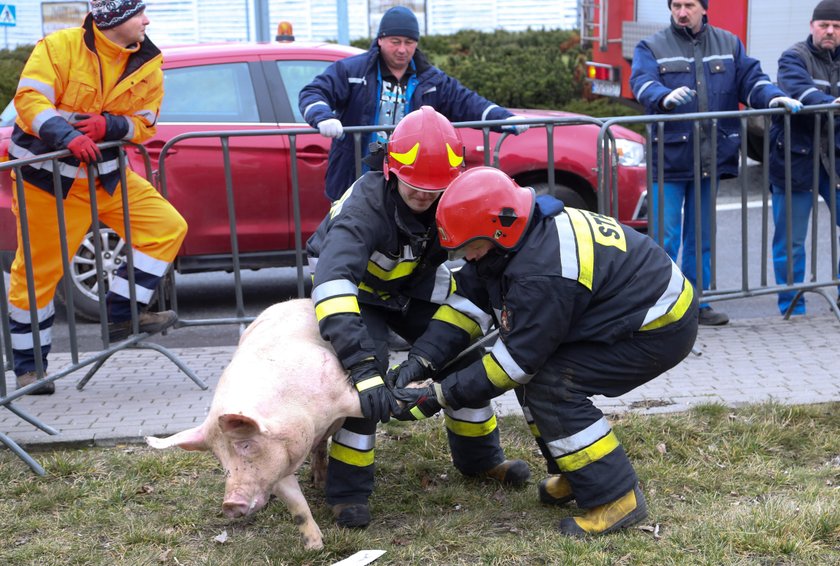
[234, 87]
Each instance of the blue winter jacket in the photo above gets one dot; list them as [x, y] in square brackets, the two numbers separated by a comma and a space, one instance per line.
[349, 90]
[812, 76]
[667, 60]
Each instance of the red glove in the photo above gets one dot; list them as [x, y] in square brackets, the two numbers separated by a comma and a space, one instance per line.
[84, 149]
[92, 126]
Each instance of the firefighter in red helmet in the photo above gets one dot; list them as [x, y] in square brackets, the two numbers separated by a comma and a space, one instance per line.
[378, 265]
[584, 306]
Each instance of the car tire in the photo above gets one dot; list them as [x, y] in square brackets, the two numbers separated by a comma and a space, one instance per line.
[568, 195]
[82, 275]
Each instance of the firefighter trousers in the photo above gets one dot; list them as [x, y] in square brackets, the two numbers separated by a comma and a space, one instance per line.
[472, 433]
[157, 231]
[573, 434]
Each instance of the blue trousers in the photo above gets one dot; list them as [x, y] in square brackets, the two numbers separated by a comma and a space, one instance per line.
[678, 226]
[800, 210]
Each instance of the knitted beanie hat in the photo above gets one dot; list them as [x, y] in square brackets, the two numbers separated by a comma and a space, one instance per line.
[827, 10]
[400, 21]
[108, 14]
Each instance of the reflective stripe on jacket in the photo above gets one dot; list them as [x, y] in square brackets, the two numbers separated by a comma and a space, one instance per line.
[61, 81]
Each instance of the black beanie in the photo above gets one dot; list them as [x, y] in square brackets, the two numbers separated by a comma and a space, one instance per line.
[827, 10]
[400, 21]
[704, 3]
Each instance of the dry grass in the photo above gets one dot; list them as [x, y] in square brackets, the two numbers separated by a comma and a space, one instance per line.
[754, 486]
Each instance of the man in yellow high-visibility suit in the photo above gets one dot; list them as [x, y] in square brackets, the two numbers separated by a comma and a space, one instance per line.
[98, 82]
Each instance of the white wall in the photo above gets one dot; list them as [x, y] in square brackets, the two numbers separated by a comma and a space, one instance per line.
[190, 21]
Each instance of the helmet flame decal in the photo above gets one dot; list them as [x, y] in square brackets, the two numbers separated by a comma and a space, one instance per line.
[455, 160]
[409, 157]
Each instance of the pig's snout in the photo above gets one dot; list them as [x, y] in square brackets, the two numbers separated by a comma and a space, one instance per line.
[237, 505]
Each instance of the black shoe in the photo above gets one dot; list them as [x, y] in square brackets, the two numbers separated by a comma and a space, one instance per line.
[149, 322]
[626, 511]
[514, 473]
[709, 317]
[31, 377]
[351, 515]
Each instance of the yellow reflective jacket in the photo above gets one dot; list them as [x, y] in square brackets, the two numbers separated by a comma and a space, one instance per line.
[62, 82]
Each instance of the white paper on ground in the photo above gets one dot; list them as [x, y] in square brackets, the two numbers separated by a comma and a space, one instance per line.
[360, 558]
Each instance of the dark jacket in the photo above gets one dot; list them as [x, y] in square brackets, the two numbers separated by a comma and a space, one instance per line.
[349, 90]
[577, 277]
[372, 249]
[812, 76]
[667, 60]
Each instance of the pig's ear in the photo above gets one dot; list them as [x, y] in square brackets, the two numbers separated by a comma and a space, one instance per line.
[238, 426]
[191, 439]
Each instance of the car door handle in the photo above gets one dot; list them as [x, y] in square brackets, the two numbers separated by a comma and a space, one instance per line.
[312, 154]
[154, 148]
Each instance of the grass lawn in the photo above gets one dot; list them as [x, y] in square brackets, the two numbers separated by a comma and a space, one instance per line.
[757, 485]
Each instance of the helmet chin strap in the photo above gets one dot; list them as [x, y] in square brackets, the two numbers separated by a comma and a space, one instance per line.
[493, 263]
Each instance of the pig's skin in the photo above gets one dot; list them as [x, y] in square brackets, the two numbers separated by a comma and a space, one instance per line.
[282, 395]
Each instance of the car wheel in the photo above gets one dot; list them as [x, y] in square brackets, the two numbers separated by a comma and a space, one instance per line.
[568, 195]
[82, 275]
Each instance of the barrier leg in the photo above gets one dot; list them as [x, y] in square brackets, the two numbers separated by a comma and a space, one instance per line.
[150, 346]
[21, 453]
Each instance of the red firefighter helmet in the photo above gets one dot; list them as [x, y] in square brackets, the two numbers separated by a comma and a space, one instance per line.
[484, 203]
[425, 151]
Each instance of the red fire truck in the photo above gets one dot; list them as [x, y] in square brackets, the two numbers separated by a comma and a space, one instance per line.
[613, 28]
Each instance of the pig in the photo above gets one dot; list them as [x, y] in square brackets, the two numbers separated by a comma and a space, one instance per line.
[282, 395]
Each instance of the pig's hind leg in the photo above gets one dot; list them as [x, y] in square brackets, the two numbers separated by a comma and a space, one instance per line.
[288, 490]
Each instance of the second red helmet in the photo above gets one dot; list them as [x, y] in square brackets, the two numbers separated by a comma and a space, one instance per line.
[484, 203]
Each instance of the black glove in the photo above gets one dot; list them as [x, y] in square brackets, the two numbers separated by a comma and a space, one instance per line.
[420, 403]
[376, 398]
[415, 368]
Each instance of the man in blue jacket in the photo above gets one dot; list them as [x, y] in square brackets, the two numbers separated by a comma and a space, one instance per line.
[808, 71]
[666, 77]
[390, 80]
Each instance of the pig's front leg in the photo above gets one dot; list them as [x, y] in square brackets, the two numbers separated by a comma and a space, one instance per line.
[288, 490]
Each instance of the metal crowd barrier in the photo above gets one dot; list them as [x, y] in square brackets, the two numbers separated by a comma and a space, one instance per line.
[607, 194]
[816, 280]
[96, 359]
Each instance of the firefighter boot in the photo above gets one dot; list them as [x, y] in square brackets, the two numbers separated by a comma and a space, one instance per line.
[514, 473]
[351, 515]
[624, 512]
[555, 490]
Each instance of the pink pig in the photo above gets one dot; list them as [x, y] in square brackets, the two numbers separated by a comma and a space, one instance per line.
[283, 394]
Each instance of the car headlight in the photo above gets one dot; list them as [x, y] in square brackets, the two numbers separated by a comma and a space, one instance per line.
[630, 153]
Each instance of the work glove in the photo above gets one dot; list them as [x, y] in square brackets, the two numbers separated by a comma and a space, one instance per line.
[84, 149]
[92, 126]
[791, 104]
[376, 398]
[414, 368]
[331, 128]
[420, 403]
[678, 97]
[516, 129]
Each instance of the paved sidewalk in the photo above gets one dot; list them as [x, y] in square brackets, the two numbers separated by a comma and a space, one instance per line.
[139, 392]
